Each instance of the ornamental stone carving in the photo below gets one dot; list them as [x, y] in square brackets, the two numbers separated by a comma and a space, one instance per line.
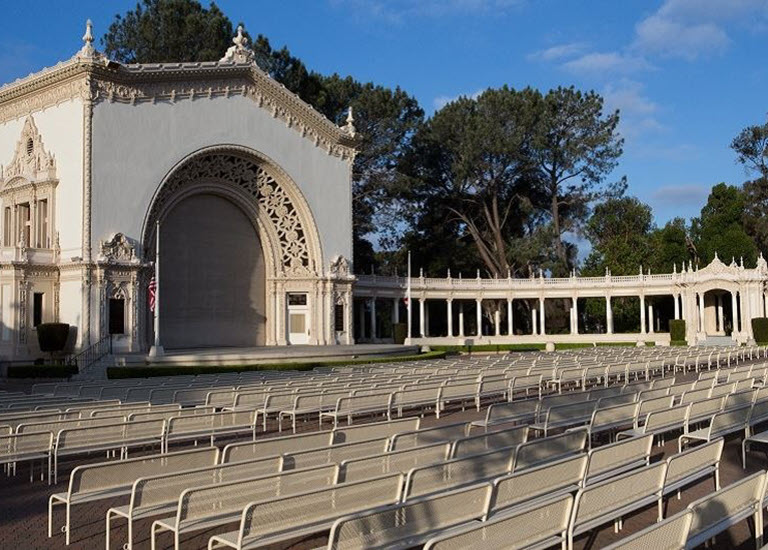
[31, 160]
[239, 52]
[339, 267]
[256, 180]
[118, 249]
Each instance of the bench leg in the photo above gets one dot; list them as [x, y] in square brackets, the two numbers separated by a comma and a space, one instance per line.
[67, 526]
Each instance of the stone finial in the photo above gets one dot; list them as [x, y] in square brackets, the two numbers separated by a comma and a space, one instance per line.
[741, 262]
[88, 50]
[239, 52]
[674, 268]
[449, 272]
[349, 127]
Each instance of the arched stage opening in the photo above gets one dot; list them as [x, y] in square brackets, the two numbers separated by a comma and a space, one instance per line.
[213, 275]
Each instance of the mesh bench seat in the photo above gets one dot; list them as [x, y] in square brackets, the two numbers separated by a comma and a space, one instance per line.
[718, 511]
[616, 458]
[417, 398]
[535, 527]
[156, 495]
[547, 449]
[125, 435]
[427, 436]
[611, 419]
[392, 462]
[238, 452]
[670, 534]
[756, 439]
[210, 425]
[308, 512]
[722, 424]
[409, 524]
[308, 405]
[691, 465]
[506, 413]
[349, 407]
[489, 441]
[452, 393]
[565, 416]
[333, 453]
[27, 447]
[221, 503]
[373, 430]
[93, 482]
[660, 422]
[609, 500]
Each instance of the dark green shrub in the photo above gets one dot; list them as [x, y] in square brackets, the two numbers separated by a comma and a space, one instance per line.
[52, 337]
[400, 332]
[177, 370]
[42, 371]
[760, 330]
[678, 343]
[677, 330]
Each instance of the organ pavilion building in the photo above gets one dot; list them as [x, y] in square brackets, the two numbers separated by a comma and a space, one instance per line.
[248, 191]
[249, 184]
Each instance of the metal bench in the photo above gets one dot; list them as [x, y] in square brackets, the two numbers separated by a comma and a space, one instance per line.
[210, 425]
[308, 512]
[670, 534]
[611, 419]
[556, 478]
[237, 452]
[418, 398]
[308, 405]
[722, 424]
[26, 447]
[540, 525]
[349, 407]
[660, 422]
[468, 470]
[392, 462]
[333, 453]
[617, 458]
[120, 436]
[409, 524]
[609, 500]
[489, 441]
[505, 413]
[547, 449]
[104, 480]
[565, 416]
[427, 436]
[451, 393]
[221, 503]
[155, 495]
[718, 511]
[692, 465]
[372, 430]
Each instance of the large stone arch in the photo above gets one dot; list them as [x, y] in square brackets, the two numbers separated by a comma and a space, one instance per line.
[264, 189]
[274, 204]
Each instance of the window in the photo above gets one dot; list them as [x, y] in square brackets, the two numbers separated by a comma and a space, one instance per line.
[338, 317]
[297, 299]
[7, 226]
[116, 316]
[25, 227]
[37, 308]
[42, 224]
[30, 147]
[298, 323]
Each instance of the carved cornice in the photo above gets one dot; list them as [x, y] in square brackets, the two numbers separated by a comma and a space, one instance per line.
[99, 80]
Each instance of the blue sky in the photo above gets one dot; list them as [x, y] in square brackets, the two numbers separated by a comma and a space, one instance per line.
[686, 74]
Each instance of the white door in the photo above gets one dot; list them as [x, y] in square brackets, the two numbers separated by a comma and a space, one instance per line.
[298, 318]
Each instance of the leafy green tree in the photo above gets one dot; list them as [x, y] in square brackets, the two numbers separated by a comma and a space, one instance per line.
[669, 246]
[620, 233]
[719, 229]
[751, 147]
[158, 31]
[574, 148]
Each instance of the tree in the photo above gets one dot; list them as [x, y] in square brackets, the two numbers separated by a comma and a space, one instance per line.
[620, 233]
[469, 166]
[575, 147]
[719, 229]
[158, 31]
[751, 147]
[669, 246]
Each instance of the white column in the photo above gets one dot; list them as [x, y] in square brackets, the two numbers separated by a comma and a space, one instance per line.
[422, 320]
[542, 317]
[449, 304]
[701, 312]
[157, 348]
[765, 305]
[651, 318]
[574, 315]
[642, 314]
[677, 305]
[497, 320]
[720, 320]
[396, 310]
[735, 310]
[510, 324]
[534, 327]
[373, 318]
[479, 302]
[608, 316]
[461, 319]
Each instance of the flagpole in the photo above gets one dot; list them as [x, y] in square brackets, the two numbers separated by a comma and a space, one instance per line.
[408, 298]
[157, 350]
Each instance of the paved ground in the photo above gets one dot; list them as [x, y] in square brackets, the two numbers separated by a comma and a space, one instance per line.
[23, 507]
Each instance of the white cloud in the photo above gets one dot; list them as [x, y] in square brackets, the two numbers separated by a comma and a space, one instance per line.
[660, 35]
[396, 11]
[602, 63]
[637, 111]
[441, 101]
[556, 53]
[681, 194]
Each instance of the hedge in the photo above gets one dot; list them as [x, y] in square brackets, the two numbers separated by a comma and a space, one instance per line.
[760, 330]
[150, 371]
[42, 371]
[678, 343]
[489, 348]
[677, 330]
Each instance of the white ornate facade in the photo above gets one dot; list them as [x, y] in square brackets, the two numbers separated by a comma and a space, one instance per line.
[93, 153]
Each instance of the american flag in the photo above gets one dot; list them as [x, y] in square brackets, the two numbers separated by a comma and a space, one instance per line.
[152, 290]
